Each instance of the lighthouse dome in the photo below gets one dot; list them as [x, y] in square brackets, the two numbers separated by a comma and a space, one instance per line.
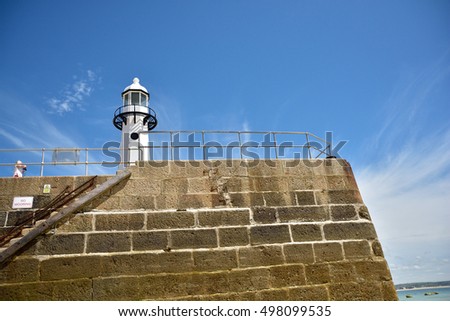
[136, 86]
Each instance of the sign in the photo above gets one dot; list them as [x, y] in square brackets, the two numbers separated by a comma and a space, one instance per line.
[23, 202]
[47, 188]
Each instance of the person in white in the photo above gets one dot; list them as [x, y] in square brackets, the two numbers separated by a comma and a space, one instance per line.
[19, 169]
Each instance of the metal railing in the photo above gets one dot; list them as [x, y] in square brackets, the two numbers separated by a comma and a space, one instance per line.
[172, 146]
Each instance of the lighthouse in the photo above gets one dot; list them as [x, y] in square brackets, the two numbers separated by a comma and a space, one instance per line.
[132, 118]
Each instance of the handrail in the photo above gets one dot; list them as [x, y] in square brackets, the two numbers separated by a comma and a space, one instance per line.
[55, 204]
[7, 254]
[273, 144]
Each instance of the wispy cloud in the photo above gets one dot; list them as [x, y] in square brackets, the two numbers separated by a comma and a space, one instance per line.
[13, 139]
[406, 190]
[74, 94]
[37, 130]
[410, 99]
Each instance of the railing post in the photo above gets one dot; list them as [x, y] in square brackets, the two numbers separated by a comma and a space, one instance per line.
[240, 144]
[171, 145]
[309, 146]
[275, 144]
[203, 145]
[42, 162]
[86, 163]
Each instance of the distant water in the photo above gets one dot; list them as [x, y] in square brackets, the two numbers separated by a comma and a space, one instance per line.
[419, 294]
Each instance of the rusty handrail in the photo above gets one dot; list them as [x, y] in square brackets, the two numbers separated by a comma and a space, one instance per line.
[56, 203]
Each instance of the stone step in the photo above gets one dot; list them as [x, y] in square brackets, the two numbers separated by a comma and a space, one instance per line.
[14, 240]
[26, 230]
[39, 222]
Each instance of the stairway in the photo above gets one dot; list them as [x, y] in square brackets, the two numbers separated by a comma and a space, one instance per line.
[60, 208]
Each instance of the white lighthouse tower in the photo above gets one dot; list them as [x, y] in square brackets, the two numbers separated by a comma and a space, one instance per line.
[132, 118]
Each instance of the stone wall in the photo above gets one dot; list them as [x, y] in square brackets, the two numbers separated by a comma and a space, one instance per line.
[230, 230]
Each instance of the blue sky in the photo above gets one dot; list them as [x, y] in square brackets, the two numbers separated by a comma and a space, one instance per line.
[375, 73]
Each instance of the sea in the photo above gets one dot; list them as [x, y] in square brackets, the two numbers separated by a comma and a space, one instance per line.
[419, 294]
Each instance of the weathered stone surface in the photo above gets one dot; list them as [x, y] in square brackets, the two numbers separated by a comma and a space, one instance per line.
[306, 232]
[260, 256]
[108, 242]
[63, 268]
[265, 215]
[308, 293]
[77, 223]
[299, 183]
[272, 295]
[343, 212]
[238, 184]
[223, 217]
[194, 239]
[145, 241]
[123, 288]
[199, 200]
[233, 236]
[342, 272]
[199, 185]
[137, 202]
[305, 198]
[298, 253]
[328, 252]
[276, 183]
[352, 291]
[343, 231]
[265, 168]
[170, 220]
[300, 167]
[20, 270]
[40, 201]
[269, 234]
[207, 283]
[357, 250]
[247, 199]
[16, 217]
[6, 203]
[175, 186]
[27, 186]
[119, 222]
[65, 290]
[5, 230]
[249, 280]
[372, 271]
[388, 291]
[148, 263]
[344, 197]
[303, 214]
[376, 248]
[227, 168]
[336, 182]
[215, 260]
[156, 170]
[61, 244]
[344, 291]
[317, 274]
[106, 203]
[166, 201]
[2, 219]
[279, 199]
[144, 186]
[363, 213]
[287, 275]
